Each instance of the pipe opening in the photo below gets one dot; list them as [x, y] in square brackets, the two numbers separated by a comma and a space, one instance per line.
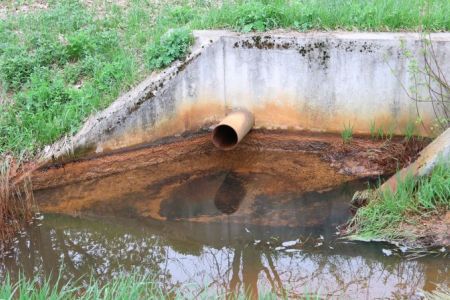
[225, 137]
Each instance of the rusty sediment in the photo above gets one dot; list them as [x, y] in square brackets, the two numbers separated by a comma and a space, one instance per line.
[362, 158]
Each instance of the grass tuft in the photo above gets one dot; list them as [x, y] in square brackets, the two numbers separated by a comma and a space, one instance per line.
[415, 200]
[347, 133]
[124, 286]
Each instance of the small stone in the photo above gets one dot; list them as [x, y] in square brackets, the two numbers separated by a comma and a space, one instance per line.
[290, 243]
[387, 252]
[292, 250]
[403, 249]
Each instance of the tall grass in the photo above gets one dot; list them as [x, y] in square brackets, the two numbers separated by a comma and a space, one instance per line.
[124, 286]
[130, 286]
[414, 201]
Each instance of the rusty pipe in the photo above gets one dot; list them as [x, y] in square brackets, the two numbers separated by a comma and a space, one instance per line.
[232, 129]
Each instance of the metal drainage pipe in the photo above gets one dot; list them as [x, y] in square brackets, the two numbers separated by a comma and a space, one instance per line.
[232, 129]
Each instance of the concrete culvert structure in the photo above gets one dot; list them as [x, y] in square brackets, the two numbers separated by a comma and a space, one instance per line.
[232, 129]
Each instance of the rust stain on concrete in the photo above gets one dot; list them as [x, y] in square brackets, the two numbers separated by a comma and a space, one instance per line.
[187, 118]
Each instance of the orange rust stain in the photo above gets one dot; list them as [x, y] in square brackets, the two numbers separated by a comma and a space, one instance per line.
[284, 115]
[187, 118]
[362, 157]
[146, 188]
[279, 114]
[143, 179]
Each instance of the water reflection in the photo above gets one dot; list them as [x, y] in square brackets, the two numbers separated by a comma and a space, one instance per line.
[230, 193]
[218, 222]
[224, 256]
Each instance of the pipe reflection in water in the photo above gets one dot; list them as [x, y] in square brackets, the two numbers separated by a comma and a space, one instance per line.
[230, 194]
[217, 220]
[228, 256]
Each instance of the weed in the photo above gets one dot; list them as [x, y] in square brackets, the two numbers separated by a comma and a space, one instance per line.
[172, 45]
[123, 286]
[390, 133]
[413, 200]
[380, 133]
[347, 133]
[410, 129]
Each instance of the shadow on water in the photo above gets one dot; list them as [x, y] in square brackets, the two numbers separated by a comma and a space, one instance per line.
[228, 229]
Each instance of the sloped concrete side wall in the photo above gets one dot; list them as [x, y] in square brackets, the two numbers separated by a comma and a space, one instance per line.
[313, 81]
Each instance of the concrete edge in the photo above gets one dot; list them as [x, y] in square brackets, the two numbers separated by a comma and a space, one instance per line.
[437, 150]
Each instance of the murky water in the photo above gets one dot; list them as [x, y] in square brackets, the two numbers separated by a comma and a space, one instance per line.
[262, 223]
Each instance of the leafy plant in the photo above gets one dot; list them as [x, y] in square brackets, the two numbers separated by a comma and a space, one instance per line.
[16, 66]
[429, 85]
[173, 45]
[257, 16]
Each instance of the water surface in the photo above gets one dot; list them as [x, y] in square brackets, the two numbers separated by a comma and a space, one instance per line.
[219, 227]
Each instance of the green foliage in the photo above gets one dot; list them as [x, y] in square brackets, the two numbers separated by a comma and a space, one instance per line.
[380, 132]
[16, 67]
[410, 130]
[347, 133]
[131, 286]
[59, 65]
[413, 201]
[171, 46]
[390, 132]
[124, 286]
[257, 16]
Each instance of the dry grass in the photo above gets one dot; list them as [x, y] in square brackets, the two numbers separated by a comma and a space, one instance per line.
[16, 201]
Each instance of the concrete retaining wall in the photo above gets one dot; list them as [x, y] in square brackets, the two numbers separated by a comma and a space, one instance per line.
[313, 81]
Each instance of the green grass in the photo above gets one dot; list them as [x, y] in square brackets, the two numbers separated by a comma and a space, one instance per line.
[414, 200]
[410, 130]
[347, 133]
[61, 64]
[124, 286]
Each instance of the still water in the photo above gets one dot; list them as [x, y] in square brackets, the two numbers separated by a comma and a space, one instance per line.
[248, 227]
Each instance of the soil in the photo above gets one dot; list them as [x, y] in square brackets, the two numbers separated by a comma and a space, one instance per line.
[362, 157]
[317, 160]
[433, 232]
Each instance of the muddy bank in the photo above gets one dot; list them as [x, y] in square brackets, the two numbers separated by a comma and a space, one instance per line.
[362, 157]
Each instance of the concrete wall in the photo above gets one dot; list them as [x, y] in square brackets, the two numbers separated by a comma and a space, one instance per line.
[313, 81]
